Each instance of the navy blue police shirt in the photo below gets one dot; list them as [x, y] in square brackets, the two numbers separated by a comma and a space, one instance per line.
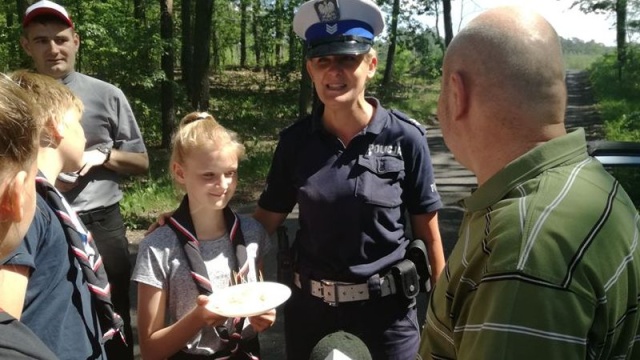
[351, 200]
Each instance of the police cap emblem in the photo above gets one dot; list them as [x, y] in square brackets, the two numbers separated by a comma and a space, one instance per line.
[327, 10]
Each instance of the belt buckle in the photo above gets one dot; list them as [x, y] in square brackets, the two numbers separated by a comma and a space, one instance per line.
[329, 286]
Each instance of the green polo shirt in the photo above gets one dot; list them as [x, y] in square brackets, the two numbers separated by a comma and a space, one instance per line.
[547, 265]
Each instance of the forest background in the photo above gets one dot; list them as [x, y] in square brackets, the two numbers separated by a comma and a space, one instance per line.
[241, 61]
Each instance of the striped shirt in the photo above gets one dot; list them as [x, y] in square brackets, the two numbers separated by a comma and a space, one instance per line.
[547, 265]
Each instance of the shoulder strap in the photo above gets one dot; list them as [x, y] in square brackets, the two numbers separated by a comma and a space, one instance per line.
[86, 252]
[404, 117]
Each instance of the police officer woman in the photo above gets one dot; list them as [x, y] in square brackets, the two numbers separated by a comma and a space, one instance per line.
[354, 168]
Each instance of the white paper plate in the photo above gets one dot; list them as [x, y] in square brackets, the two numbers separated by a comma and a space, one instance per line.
[248, 299]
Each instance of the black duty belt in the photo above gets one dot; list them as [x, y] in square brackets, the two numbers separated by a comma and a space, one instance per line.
[335, 292]
[97, 214]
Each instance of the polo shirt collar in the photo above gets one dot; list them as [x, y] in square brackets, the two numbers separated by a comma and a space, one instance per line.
[69, 78]
[375, 126]
[570, 148]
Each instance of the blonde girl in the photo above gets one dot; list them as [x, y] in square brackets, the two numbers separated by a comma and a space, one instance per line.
[197, 253]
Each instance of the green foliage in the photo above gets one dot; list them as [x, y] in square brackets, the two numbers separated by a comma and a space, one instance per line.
[416, 97]
[227, 33]
[417, 69]
[618, 100]
[578, 61]
[124, 51]
[579, 55]
[146, 197]
[619, 106]
[626, 127]
[145, 200]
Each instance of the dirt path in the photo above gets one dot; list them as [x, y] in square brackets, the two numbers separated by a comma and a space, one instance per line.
[581, 111]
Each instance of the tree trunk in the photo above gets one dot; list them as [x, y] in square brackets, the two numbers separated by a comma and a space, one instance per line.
[243, 33]
[448, 26]
[621, 34]
[304, 97]
[23, 61]
[393, 38]
[140, 15]
[214, 40]
[139, 12]
[279, 8]
[21, 7]
[257, 48]
[186, 53]
[166, 91]
[201, 57]
[293, 38]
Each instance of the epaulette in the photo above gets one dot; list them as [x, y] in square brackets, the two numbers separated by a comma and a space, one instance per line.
[296, 123]
[404, 117]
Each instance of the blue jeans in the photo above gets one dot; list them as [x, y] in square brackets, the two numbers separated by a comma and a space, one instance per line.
[107, 227]
[386, 325]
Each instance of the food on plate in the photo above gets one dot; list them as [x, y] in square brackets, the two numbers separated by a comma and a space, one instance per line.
[248, 299]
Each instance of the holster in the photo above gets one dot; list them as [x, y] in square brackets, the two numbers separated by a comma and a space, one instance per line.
[405, 276]
[284, 257]
[417, 253]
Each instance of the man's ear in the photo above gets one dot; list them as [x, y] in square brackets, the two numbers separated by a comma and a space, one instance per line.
[25, 45]
[460, 94]
[76, 40]
[13, 197]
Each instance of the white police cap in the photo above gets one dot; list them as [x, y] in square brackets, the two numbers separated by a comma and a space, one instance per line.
[338, 27]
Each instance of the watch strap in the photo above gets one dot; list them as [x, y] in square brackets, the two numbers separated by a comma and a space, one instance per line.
[107, 151]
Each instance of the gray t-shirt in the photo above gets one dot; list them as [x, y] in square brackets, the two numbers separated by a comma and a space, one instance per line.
[162, 263]
[107, 120]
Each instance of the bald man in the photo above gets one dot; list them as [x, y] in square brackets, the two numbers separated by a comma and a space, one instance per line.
[547, 263]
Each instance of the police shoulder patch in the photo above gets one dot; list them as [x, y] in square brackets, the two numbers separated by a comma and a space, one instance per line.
[404, 117]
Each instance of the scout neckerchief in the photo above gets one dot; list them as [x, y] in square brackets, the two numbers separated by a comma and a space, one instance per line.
[84, 248]
[182, 225]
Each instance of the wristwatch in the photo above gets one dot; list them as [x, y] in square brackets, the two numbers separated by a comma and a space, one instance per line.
[107, 151]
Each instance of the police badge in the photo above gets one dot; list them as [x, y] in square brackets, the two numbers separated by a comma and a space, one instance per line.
[327, 10]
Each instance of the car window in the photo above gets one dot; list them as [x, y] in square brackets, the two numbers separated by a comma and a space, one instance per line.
[622, 160]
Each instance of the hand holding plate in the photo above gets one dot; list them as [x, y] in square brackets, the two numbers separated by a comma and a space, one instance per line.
[264, 321]
[210, 317]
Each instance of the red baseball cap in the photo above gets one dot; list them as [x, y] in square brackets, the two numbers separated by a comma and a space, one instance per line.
[46, 7]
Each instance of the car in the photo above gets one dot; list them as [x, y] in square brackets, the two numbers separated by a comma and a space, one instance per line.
[622, 160]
